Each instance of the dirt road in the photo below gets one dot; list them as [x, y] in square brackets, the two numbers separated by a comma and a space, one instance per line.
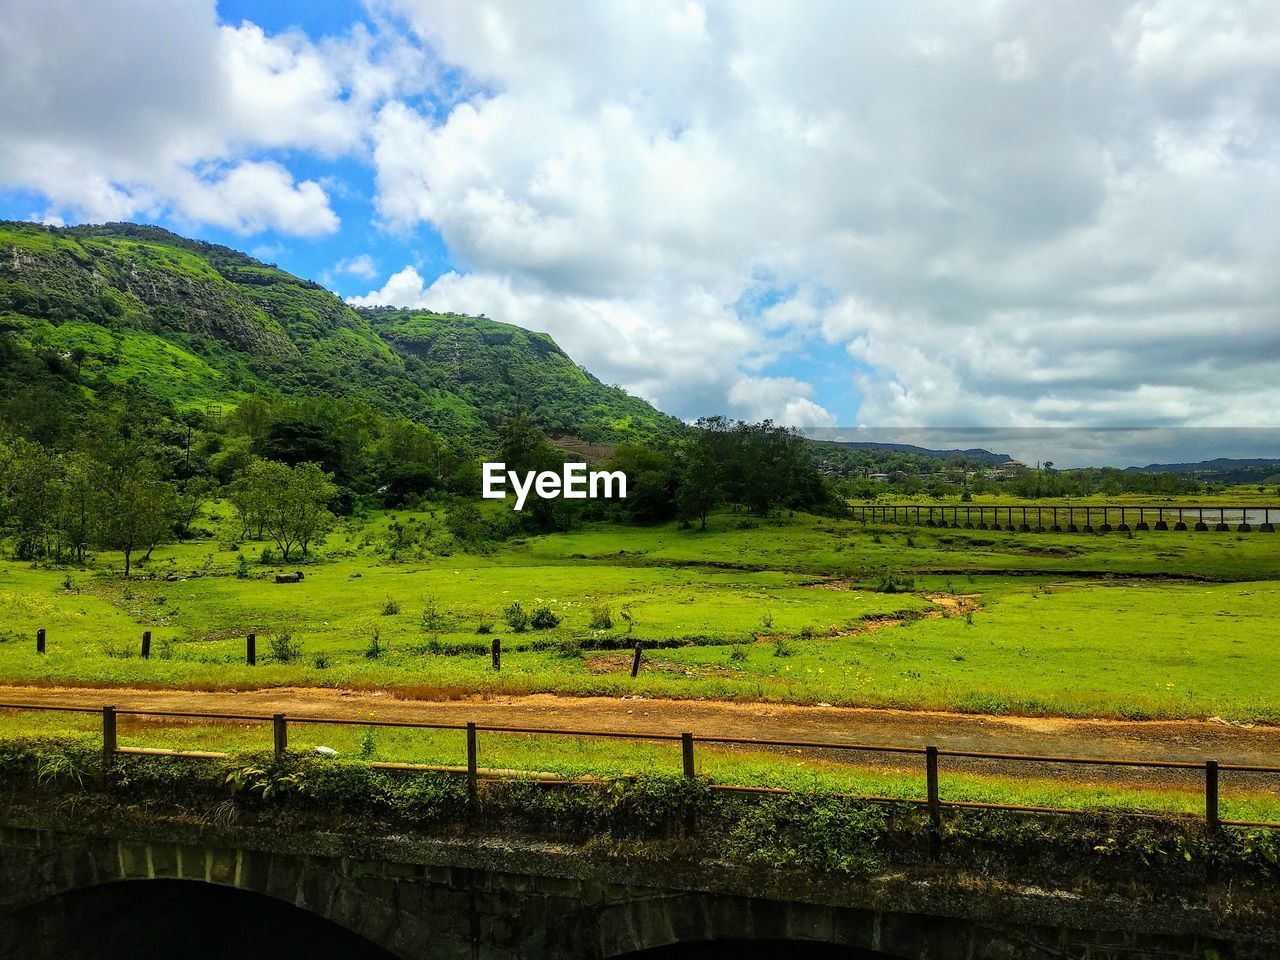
[1151, 740]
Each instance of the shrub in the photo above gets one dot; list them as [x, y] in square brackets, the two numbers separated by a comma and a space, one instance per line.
[433, 619]
[282, 648]
[242, 567]
[453, 648]
[737, 654]
[569, 649]
[781, 648]
[391, 608]
[484, 624]
[121, 650]
[320, 661]
[375, 649]
[601, 617]
[516, 618]
[544, 619]
[890, 582]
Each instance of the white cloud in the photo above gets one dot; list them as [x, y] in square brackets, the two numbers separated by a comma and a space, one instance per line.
[997, 213]
[116, 109]
[782, 399]
[403, 289]
[1000, 214]
[361, 266]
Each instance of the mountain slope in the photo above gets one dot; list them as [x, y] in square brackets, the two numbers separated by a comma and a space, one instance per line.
[199, 324]
[503, 368]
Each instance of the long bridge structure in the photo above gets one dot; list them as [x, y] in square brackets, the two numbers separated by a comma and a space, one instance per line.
[1087, 518]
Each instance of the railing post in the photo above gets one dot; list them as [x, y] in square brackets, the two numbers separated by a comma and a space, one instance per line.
[635, 662]
[496, 653]
[935, 806]
[108, 741]
[251, 649]
[1211, 797]
[280, 729]
[146, 644]
[686, 750]
[472, 776]
[40, 640]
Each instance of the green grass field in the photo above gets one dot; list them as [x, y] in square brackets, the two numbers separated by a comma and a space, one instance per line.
[783, 610]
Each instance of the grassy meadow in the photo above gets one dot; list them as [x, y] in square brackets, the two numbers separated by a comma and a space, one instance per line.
[796, 609]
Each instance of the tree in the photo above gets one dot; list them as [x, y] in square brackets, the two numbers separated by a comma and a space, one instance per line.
[247, 494]
[699, 485]
[295, 503]
[192, 494]
[76, 505]
[524, 449]
[134, 506]
[30, 481]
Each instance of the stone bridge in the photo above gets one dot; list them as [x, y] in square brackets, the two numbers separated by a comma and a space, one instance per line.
[103, 890]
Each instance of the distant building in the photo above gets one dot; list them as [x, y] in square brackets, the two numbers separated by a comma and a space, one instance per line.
[1007, 470]
[878, 477]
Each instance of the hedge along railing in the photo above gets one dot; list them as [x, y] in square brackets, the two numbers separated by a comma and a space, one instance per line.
[474, 773]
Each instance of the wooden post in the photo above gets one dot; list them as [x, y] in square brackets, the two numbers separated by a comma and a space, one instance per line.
[635, 662]
[935, 807]
[40, 640]
[496, 653]
[280, 729]
[146, 644]
[108, 741]
[251, 649]
[686, 751]
[472, 776]
[1211, 797]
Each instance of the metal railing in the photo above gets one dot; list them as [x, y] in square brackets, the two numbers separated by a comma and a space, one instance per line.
[1070, 519]
[474, 773]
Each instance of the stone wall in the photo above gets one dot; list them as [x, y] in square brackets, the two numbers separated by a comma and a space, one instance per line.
[484, 899]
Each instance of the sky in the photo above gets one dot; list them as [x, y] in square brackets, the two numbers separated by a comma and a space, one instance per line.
[833, 214]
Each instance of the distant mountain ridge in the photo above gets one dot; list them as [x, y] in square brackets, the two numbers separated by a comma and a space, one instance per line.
[202, 324]
[1221, 469]
[860, 457]
[1216, 465]
[976, 454]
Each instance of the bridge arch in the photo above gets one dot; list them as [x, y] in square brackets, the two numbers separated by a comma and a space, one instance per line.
[691, 926]
[756, 950]
[161, 919]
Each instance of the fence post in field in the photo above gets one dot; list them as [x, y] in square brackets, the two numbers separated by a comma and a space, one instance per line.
[686, 752]
[40, 640]
[146, 644]
[931, 792]
[496, 653]
[251, 649]
[472, 776]
[280, 731]
[635, 662]
[108, 741]
[1211, 796]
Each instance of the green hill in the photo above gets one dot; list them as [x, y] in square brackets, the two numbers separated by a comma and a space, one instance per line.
[87, 309]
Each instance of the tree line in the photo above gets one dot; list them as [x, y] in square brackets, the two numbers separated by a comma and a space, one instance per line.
[132, 473]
